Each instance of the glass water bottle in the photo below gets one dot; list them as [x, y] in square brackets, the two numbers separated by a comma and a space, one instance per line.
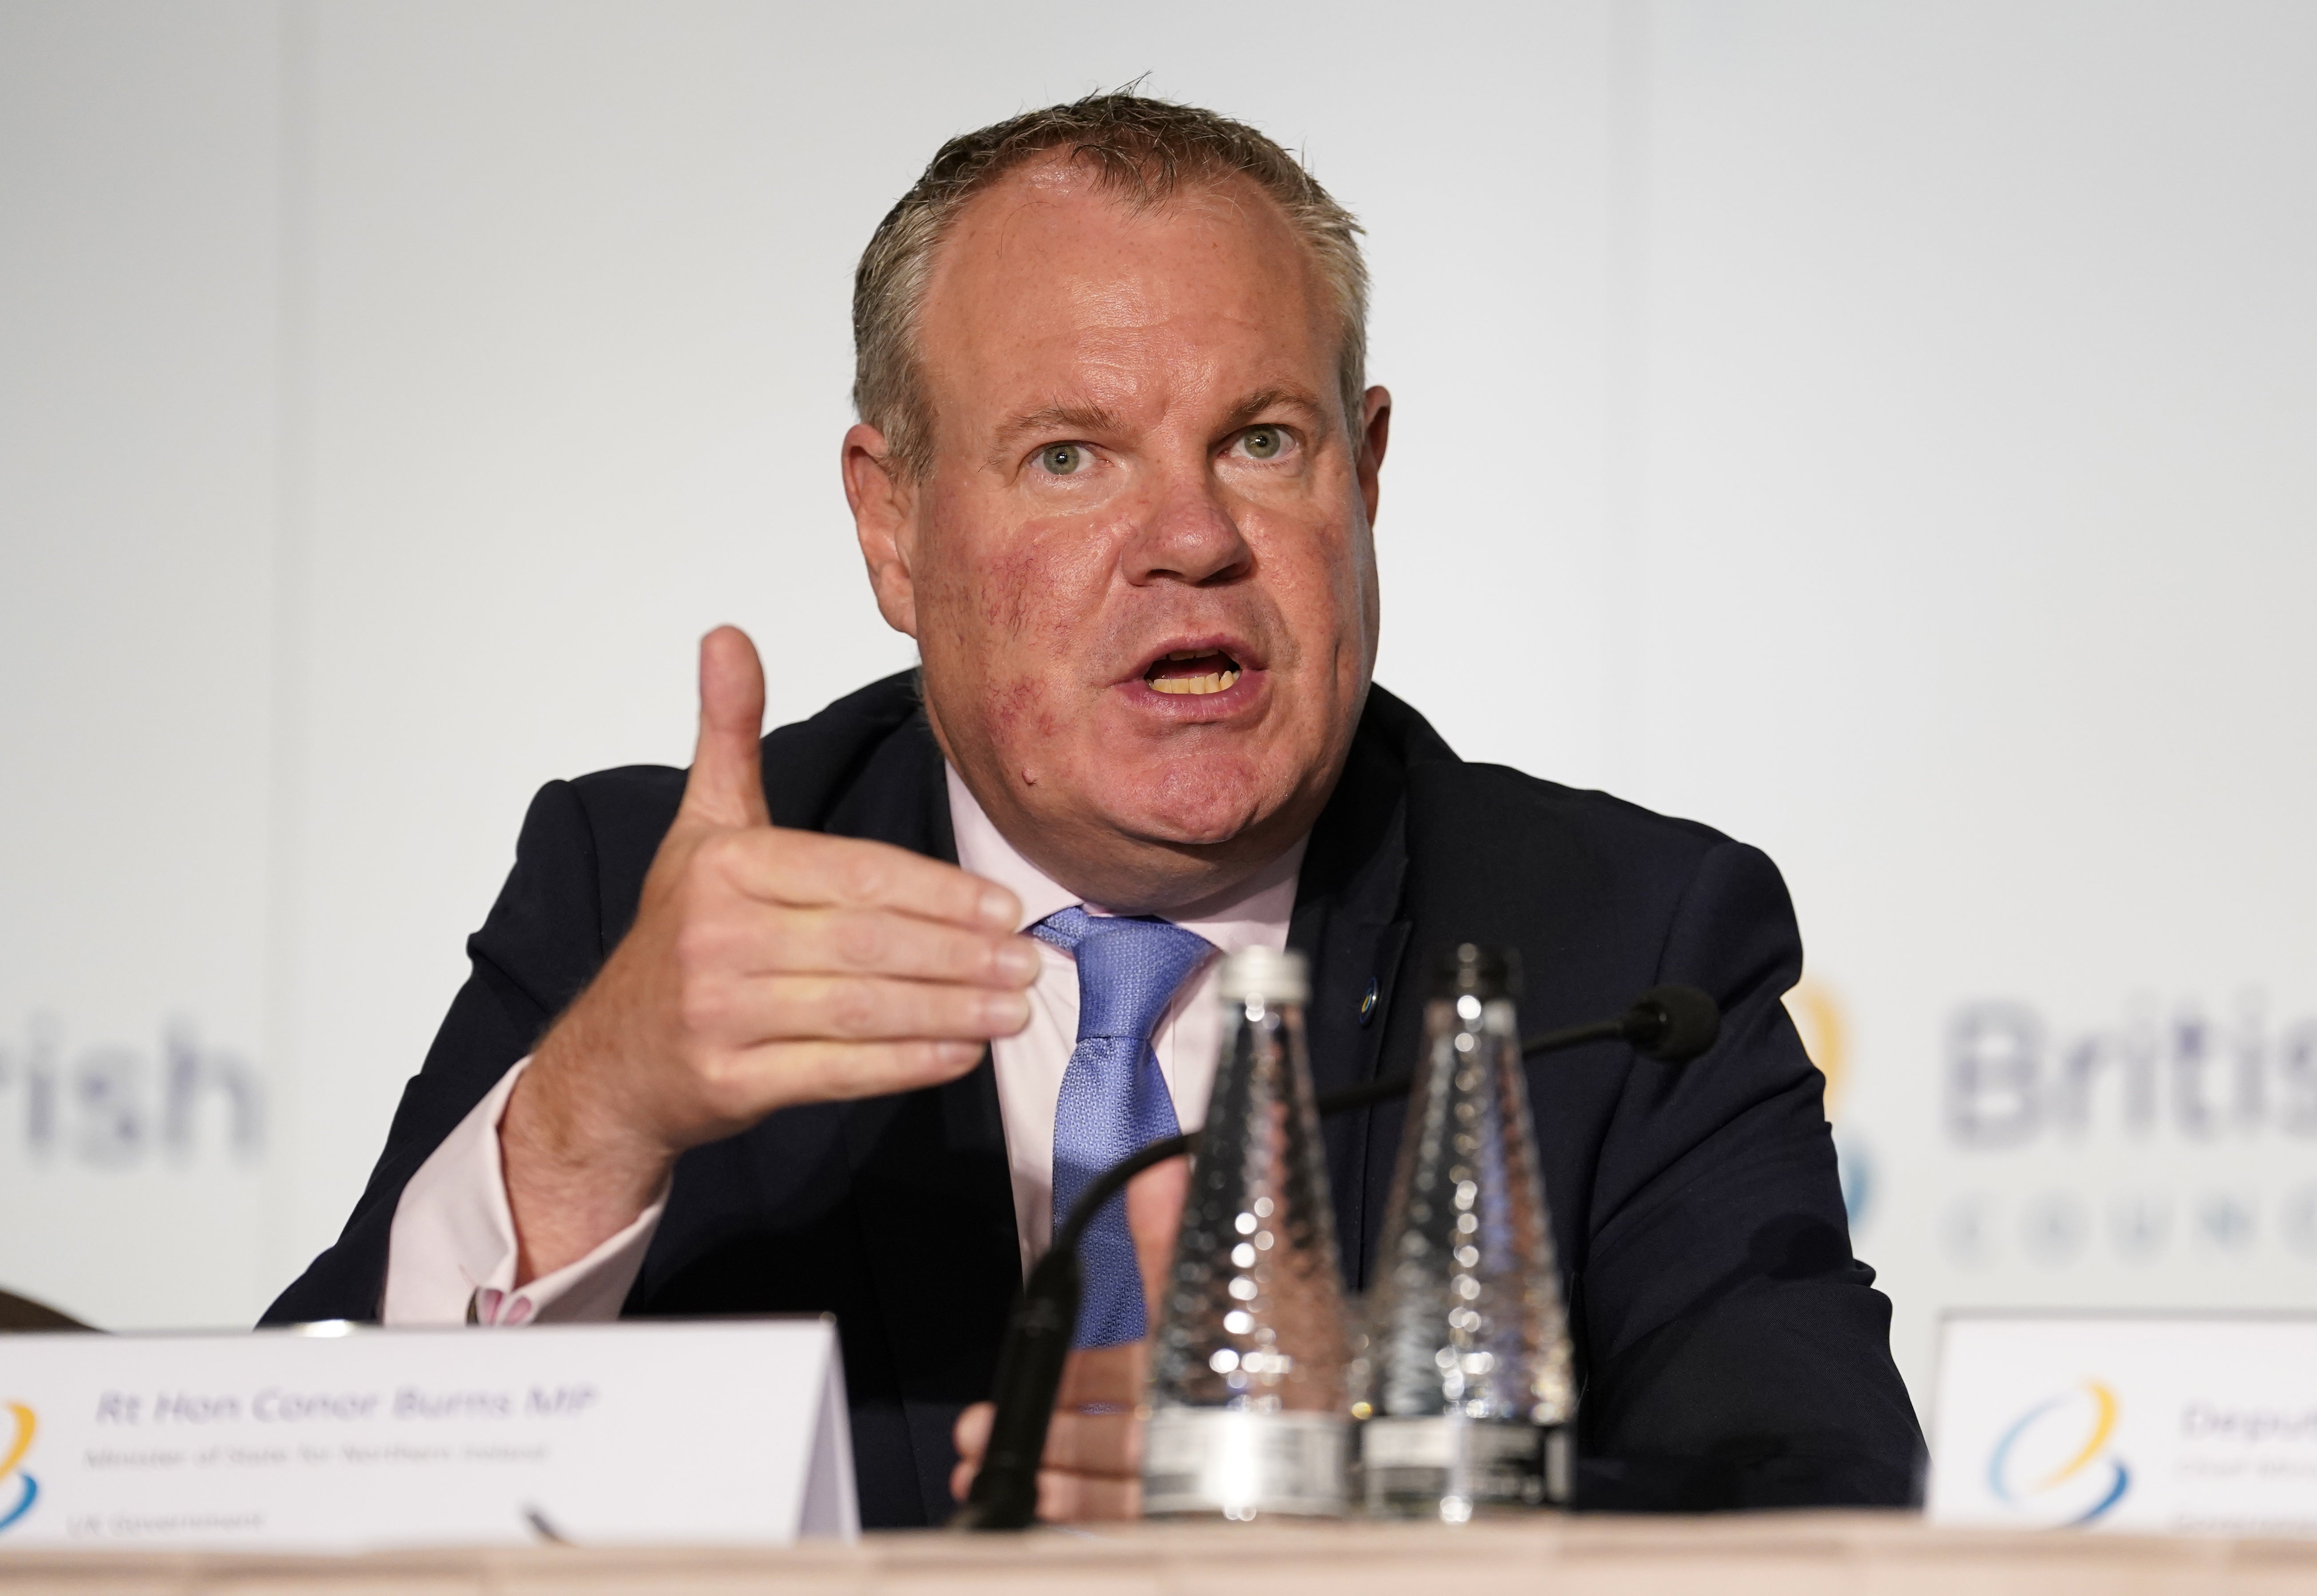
[1247, 1411]
[1462, 1383]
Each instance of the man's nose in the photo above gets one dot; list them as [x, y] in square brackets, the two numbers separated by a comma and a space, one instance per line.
[1189, 537]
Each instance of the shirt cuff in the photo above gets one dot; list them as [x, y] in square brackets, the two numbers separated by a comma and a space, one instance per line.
[450, 1255]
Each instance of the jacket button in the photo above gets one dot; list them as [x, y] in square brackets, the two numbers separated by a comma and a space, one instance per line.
[1368, 1003]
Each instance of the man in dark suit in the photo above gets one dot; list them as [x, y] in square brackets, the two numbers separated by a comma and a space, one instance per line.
[752, 1040]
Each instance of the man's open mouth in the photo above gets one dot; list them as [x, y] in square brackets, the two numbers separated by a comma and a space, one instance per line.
[1193, 671]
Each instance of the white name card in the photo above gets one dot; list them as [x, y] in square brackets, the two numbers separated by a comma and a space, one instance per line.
[335, 1438]
[2111, 1421]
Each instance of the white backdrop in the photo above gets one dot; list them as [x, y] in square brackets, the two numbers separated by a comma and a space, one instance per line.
[1884, 432]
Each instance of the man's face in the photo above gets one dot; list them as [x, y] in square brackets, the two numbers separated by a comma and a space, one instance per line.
[1139, 569]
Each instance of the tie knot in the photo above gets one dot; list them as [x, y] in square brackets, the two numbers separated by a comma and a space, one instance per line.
[1128, 970]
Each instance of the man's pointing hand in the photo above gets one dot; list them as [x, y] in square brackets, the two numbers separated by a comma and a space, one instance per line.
[765, 967]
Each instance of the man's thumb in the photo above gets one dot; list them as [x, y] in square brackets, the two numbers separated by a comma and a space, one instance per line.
[1154, 1213]
[727, 785]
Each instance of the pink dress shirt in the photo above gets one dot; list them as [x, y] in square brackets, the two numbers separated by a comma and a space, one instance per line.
[451, 1256]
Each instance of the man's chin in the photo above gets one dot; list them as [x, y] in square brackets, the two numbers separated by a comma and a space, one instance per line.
[1151, 853]
[1196, 805]
[1192, 833]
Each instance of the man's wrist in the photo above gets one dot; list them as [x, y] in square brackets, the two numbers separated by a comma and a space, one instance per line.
[575, 1173]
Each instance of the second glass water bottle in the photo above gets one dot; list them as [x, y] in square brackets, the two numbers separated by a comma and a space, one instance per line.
[1463, 1383]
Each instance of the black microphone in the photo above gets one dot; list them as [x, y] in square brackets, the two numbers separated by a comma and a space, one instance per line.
[1670, 1024]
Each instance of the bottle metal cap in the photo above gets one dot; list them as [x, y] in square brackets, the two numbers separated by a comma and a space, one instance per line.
[1483, 973]
[1259, 972]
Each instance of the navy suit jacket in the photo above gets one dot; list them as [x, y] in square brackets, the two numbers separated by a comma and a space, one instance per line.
[1731, 1351]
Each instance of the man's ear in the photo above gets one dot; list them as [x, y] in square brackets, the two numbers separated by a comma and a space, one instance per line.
[884, 505]
[1375, 432]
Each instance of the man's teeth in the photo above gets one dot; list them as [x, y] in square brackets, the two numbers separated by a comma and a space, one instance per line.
[1212, 682]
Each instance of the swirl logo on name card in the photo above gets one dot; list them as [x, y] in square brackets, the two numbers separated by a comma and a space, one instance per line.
[2056, 1462]
[26, 1490]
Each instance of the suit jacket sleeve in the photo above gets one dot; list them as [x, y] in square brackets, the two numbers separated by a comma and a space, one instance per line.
[1738, 1354]
[543, 942]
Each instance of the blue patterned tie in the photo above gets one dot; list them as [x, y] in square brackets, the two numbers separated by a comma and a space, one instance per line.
[1114, 1101]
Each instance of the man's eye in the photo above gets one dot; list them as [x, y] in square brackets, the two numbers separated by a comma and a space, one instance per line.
[1262, 443]
[1063, 459]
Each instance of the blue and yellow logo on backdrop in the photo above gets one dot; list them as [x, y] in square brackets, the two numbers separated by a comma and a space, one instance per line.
[18, 1490]
[1819, 1018]
[2056, 1456]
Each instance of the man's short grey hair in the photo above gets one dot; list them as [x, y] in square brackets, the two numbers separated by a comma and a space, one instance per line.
[1141, 149]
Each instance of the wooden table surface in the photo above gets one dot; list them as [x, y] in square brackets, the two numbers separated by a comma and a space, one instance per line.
[1764, 1554]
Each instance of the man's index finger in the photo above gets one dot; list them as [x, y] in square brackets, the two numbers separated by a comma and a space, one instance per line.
[812, 870]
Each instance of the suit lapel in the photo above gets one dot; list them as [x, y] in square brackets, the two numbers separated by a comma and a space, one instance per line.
[1347, 924]
[930, 1180]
